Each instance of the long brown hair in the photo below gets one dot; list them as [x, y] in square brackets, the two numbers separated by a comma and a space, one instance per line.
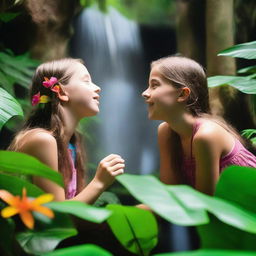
[182, 72]
[49, 117]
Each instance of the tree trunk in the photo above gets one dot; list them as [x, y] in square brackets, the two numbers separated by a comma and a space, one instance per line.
[190, 29]
[225, 101]
[219, 35]
[53, 19]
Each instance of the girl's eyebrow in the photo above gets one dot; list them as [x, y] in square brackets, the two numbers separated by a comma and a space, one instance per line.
[154, 80]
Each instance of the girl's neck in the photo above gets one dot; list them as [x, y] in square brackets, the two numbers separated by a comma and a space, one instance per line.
[183, 125]
[70, 124]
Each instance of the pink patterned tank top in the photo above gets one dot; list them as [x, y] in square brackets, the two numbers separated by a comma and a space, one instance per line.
[239, 155]
[72, 185]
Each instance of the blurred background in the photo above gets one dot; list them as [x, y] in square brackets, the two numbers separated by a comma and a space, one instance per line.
[117, 40]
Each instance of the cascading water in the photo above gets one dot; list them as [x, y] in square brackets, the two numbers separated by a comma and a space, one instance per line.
[111, 47]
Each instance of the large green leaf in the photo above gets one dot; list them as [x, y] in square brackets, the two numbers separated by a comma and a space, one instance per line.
[19, 163]
[226, 211]
[243, 84]
[136, 229]
[237, 185]
[9, 107]
[184, 205]
[150, 191]
[209, 253]
[38, 242]
[81, 210]
[80, 250]
[14, 185]
[246, 51]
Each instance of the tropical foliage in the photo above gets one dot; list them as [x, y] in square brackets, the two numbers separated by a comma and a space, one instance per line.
[226, 222]
[48, 233]
[245, 83]
[230, 213]
[153, 12]
[15, 71]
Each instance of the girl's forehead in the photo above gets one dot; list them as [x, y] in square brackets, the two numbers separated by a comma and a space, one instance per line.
[155, 74]
[155, 70]
[78, 69]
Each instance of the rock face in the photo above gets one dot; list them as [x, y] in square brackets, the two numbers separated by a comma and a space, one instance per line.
[43, 27]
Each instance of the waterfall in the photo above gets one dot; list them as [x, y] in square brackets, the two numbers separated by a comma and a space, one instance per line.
[110, 45]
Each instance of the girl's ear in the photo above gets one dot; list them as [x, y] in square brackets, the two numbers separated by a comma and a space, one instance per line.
[185, 92]
[62, 95]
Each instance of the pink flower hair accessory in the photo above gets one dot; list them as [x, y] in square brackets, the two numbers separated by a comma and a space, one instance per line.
[37, 98]
[49, 82]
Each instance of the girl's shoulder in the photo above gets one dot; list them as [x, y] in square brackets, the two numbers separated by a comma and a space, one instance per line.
[212, 132]
[33, 138]
[164, 132]
[164, 128]
[208, 127]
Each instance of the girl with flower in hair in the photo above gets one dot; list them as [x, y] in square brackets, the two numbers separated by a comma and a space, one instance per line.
[62, 93]
[194, 145]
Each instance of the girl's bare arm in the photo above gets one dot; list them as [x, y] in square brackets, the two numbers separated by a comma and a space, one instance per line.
[167, 175]
[43, 146]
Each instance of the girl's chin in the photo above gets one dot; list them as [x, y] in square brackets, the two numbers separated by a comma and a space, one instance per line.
[93, 112]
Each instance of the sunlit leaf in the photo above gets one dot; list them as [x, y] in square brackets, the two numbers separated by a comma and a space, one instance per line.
[81, 210]
[19, 163]
[236, 185]
[242, 84]
[184, 205]
[9, 107]
[156, 195]
[226, 211]
[246, 51]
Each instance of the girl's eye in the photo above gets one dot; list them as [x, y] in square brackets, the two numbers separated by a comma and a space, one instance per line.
[153, 86]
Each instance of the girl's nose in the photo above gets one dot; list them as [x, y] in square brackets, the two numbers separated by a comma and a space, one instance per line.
[97, 88]
[145, 94]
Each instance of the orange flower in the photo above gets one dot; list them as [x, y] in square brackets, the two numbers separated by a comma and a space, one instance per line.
[24, 206]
